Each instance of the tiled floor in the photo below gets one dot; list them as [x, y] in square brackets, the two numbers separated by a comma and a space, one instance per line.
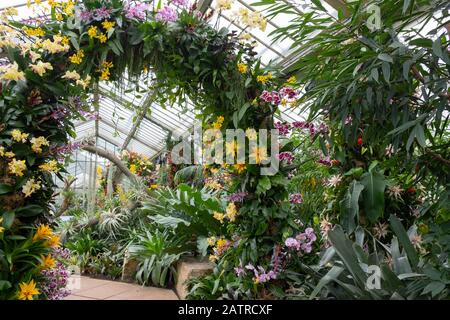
[85, 288]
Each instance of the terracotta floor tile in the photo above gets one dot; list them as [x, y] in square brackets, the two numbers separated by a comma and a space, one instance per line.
[96, 289]
[85, 283]
[75, 297]
[146, 293]
[107, 290]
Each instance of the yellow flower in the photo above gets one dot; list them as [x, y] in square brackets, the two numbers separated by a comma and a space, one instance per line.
[38, 32]
[133, 168]
[71, 75]
[47, 262]
[17, 167]
[77, 58]
[68, 8]
[52, 3]
[51, 166]
[53, 241]
[240, 167]
[31, 187]
[232, 147]
[2, 151]
[59, 16]
[259, 154]
[43, 232]
[34, 56]
[10, 154]
[18, 136]
[264, 78]
[245, 36]
[218, 123]
[251, 134]
[11, 11]
[221, 243]
[99, 171]
[105, 75]
[218, 216]
[224, 4]
[242, 68]
[291, 80]
[107, 25]
[213, 185]
[11, 72]
[211, 241]
[41, 67]
[231, 211]
[54, 46]
[107, 64]
[28, 290]
[37, 143]
[84, 83]
[154, 186]
[102, 38]
[213, 258]
[65, 40]
[2, 229]
[92, 32]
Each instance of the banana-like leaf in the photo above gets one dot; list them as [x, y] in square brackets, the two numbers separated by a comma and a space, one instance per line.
[403, 238]
[350, 206]
[331, 275]
[373, 194]
[344, 248]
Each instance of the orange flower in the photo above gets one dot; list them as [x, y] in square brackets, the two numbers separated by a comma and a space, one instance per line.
[43, 232]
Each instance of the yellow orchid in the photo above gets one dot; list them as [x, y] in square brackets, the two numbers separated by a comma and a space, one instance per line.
[18, 136]
[41, 67]
[30, 187]
[17, 167]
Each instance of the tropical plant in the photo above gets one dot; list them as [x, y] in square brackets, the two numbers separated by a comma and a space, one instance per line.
[157, 253]
[186, 210]
[396, 272]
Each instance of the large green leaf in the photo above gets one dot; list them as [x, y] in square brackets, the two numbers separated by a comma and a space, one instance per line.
[373, 194]
[5, 188]
[344, 248]
[403, 238]
[350, 206]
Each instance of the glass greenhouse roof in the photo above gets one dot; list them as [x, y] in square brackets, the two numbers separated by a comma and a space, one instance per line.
[119, 107]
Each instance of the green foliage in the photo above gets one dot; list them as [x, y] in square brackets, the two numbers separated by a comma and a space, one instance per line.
[400, 275]
[157, 253]
[186, 210]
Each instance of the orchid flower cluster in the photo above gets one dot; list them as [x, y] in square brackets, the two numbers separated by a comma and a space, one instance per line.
[302, 242]
[55, 280]
[220, 246]
[284, 96]
[260, 274]
[323, 129]
[166, 14]
[286, 156]
[295, 198]
[98, 14]
[237, 196]
[285, 128]
[136, 10]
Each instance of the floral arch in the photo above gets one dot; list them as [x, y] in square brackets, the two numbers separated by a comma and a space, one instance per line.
[370, 108]
[56, 63]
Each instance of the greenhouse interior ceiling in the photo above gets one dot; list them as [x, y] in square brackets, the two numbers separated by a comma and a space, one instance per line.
[224, 150]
